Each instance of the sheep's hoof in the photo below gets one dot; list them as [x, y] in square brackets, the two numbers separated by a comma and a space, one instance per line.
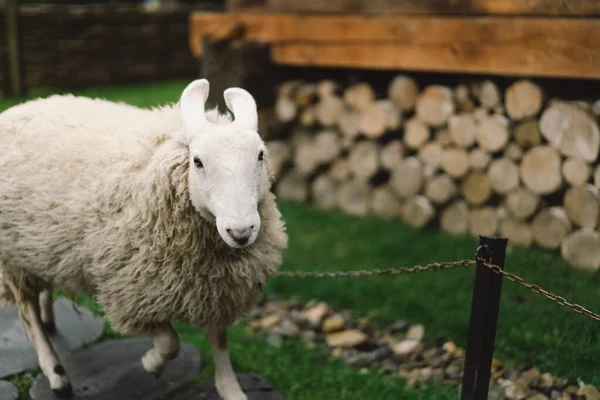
[65, 392]
[153, 363]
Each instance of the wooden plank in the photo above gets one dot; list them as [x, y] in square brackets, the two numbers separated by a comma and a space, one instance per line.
[581, 8]
[15, 65]
[558, 47]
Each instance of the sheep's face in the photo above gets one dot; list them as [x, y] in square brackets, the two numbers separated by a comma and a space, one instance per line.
[228, 176]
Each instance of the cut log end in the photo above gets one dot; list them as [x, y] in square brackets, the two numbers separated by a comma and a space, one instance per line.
[417, 211]
[385, 204]
[582, 205]
[518, 232]
[483, 221]
[522, 203]
[435, 105]
[364, 160]
[323, 191]
[573, 131]
[354, 198]
[407, 178]
[454, 218]
[416, 133]
[582, 249]
[455, 162]
[540, 170]
[523, 100]
[476, 188]
[403, 92]
[440, 189]
[576, 171]
[292, 187]
[504, 175]
[550, 227]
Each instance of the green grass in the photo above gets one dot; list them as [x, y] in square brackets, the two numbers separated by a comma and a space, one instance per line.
[531, 329]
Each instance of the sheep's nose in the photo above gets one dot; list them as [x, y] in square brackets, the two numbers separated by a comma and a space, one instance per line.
[241, 236]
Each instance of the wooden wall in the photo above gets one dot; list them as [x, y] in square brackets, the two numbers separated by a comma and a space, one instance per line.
[82, 46]
[564, 8]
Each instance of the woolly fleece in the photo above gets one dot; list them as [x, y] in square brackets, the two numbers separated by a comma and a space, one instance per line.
[94, 199]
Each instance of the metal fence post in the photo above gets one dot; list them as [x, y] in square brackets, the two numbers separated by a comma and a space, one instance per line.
[484, 319]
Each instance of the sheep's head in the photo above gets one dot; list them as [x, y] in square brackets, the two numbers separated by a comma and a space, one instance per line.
[228, 175]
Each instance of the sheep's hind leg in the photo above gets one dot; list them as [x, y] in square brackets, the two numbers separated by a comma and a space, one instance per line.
[226, 382]
[47, 358]
[166, 347]
[47, 310]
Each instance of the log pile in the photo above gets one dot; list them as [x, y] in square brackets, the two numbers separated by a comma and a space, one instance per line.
[472, 159]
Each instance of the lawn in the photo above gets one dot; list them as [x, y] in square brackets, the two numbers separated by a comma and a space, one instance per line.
[531, 329]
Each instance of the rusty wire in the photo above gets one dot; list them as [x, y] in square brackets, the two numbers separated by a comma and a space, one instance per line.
[377, 272]
[440, 266]
[536, 289]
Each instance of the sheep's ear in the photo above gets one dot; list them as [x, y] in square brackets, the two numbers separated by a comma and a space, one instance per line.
[242, 105]
[192, 103]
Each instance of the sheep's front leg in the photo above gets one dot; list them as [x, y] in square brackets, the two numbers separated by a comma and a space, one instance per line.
[47, 310]
[166, 347]
[47, 358]
[226, 382]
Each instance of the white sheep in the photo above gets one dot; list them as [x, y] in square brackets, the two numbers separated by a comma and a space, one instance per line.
[163, 215]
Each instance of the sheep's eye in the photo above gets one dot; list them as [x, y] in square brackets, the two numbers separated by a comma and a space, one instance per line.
[260, 156]
[197, 162]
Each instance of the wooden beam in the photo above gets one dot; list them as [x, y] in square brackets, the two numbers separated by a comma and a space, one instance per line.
[16, 86]
[552, 47]
[579, 8]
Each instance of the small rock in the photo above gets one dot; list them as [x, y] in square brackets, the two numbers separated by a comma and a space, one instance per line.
[405, 347]
[365, 324]
[337, 352]
[531, 376]
[546, 381]
[556, 395]
[449, 347]
[566, 396]
[572, 389]
[382, 353]
[425, 375]
[389, 367]
[309, 336]
[560, 383]
[517, 391]
[346, 339]
[416, 332]
[589, 392]
[333, 324]
[454, 371]
[398, 327]
[496, 393]
[269, 321]
[538, 396]
[437, 376]
[274, 340]
[430, 354]
[360, 359]
[315, 314]
[286, 328]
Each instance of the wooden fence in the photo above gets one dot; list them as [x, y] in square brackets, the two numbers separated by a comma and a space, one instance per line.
[71, 46]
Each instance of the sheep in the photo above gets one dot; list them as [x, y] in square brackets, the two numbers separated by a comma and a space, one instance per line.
[162, 214]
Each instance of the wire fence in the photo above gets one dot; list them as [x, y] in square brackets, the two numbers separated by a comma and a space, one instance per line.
[443, 266]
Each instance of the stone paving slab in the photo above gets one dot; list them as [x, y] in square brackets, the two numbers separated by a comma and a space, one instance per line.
[112, 370]
[255, 387]
[74, 329]
[8, 391]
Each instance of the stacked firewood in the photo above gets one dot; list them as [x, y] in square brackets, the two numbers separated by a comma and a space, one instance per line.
[473, 158]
